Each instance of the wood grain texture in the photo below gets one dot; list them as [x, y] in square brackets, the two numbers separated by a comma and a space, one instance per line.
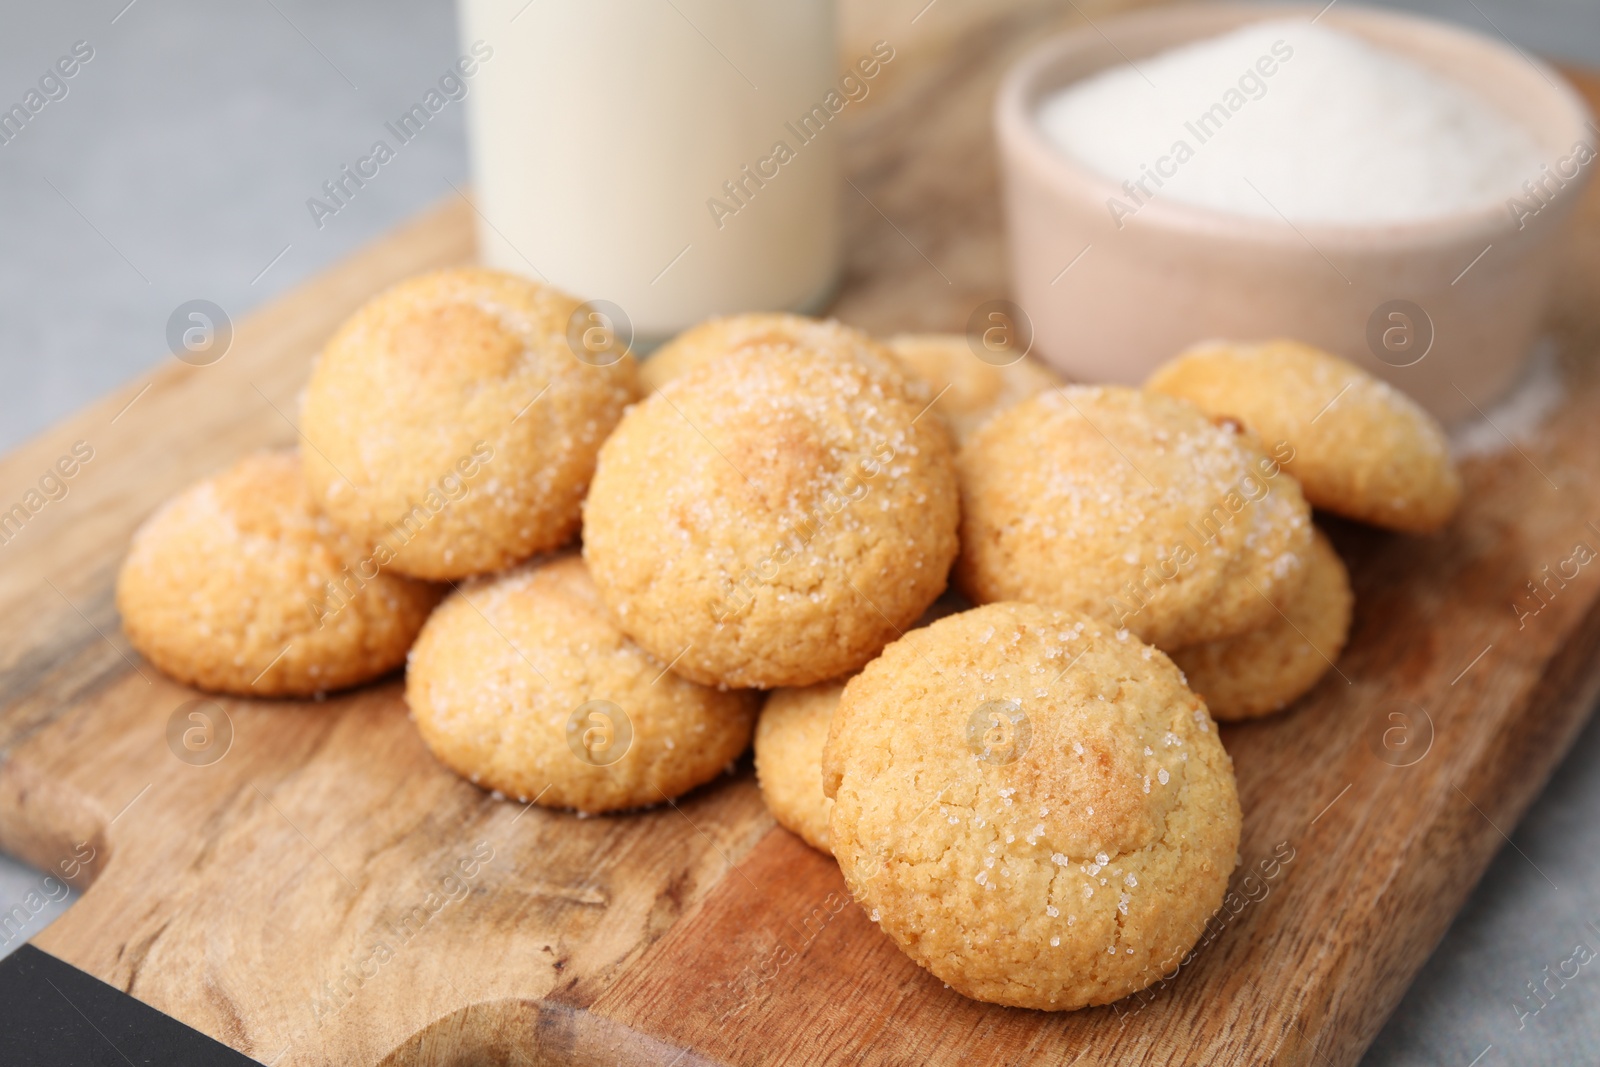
[326, 893]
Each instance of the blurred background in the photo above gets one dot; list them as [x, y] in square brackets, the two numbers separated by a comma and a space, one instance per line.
[178, 166]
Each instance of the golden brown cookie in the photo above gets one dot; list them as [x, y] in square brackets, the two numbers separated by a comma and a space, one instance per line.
[970, 390]
[772, 519]
[1033, 806]
[789, 740]
[1359, 447]
[1264, 670]
[451, 423]
[522, 683]
[733, 335]
[238, 585]
[1133, 508]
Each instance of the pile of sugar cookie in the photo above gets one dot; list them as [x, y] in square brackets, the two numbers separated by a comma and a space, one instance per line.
[1029, 795]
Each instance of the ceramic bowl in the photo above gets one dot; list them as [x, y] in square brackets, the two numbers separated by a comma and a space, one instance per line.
[1446, 308]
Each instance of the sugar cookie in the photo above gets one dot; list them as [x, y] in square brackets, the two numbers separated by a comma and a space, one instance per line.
[451, 423]
[238, 585]
[1033, 807]
[970, 390]
[790, 736]
[522, 683]
[789, 739]
[1133, 508]
[1360, 447]
[1264, 670]
[733, 335]
[772, 519]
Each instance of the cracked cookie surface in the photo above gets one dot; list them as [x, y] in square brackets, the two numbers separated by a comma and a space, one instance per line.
[239, 585]
[773, 518]
[1131, 507]
[1033, 807]
[450, 420]
[502, 668]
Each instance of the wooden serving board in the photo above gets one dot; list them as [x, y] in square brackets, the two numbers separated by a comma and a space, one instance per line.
[325, 893]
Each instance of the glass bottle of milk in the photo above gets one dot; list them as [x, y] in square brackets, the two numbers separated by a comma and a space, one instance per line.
[646, 152]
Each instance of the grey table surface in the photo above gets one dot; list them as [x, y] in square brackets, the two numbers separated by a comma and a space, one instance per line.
[177, 166]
